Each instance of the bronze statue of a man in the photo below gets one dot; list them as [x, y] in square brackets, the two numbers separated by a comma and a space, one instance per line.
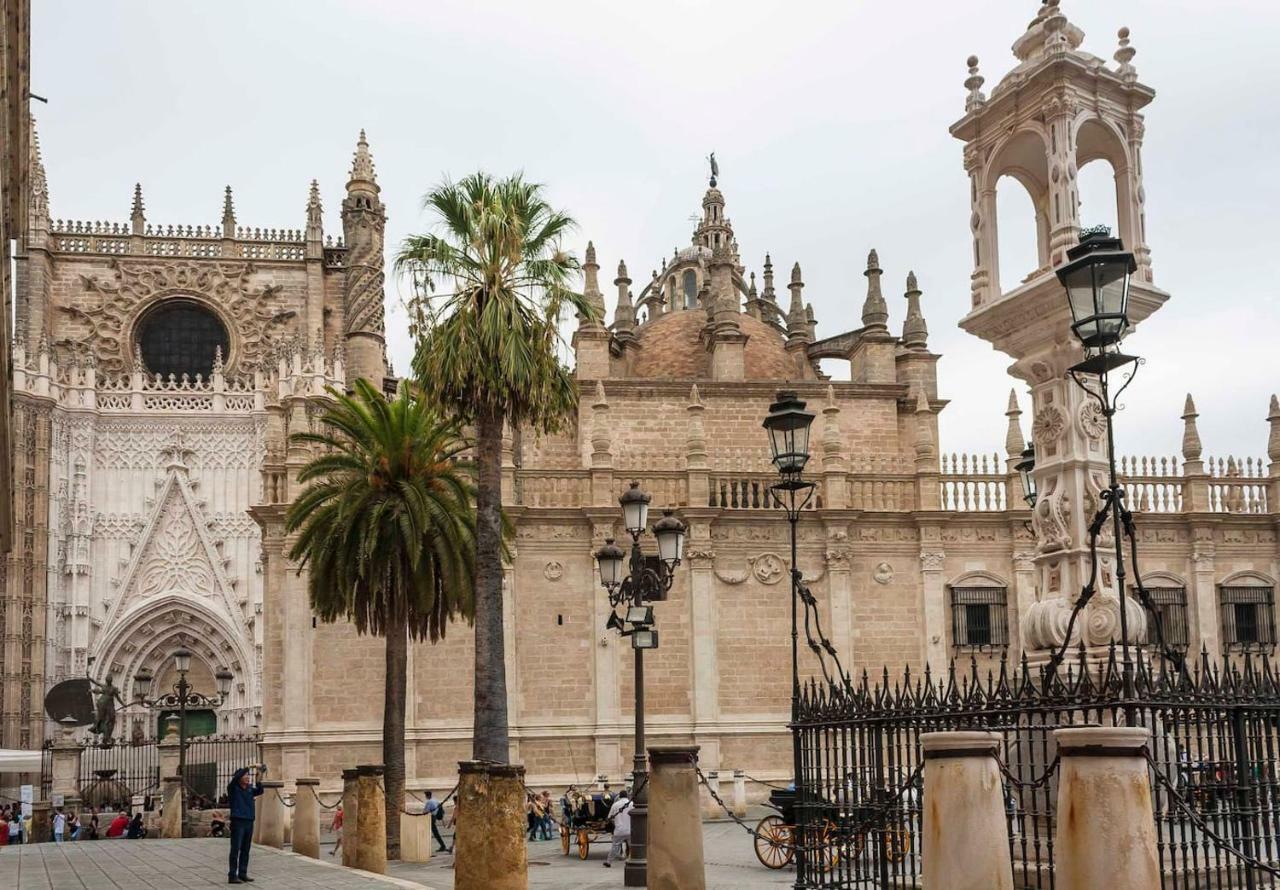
[104, 724]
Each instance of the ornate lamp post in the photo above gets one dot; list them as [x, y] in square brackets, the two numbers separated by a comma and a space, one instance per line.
[181, 697]
[788, 427]
[1026, 472]
[1096, 280]
[642, 582]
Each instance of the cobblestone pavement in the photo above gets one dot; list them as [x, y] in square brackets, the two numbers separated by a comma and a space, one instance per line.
[165, 865]
[731, 865]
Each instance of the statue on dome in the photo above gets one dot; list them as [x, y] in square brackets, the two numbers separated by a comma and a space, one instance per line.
[715, 168]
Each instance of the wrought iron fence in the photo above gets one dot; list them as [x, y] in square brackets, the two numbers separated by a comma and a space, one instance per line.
[1214, 759]
[112, 777]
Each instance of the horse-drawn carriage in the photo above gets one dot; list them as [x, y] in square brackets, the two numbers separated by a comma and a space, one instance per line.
[845, 822]
[585, 821]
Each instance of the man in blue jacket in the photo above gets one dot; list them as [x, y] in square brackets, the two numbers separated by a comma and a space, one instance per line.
[240, 795]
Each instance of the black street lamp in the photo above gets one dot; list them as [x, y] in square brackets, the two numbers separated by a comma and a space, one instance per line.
[642, 582]
[1026, 472]
[788, 427]
[1096, 280]
[181, 697]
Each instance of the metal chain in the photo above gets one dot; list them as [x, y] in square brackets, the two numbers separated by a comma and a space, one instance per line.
[282, 799]
[1029, 783]
[1198, 821]
[321, 803]
[765, 784]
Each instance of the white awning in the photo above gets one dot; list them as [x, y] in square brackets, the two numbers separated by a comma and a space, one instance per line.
[13, 761]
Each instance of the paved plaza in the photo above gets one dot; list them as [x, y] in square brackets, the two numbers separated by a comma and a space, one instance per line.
[166, 865]
[202, 862]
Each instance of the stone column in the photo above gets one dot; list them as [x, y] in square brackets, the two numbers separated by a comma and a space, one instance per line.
[962, 785]
[272, 815]
[739, 793]
[350, 810]
[1105, 834]
[171, 818]
[491, 853]
[415, 837]
[41, 822]
[169, 749]
[675, 830]
[371, 826]
[306, 819]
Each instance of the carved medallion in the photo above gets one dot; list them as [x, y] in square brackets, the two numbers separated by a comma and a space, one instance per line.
[768, 568]
[883, 573]
[553, 570]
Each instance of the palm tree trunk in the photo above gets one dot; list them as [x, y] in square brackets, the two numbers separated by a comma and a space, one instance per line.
[397, 653]
[490, 739]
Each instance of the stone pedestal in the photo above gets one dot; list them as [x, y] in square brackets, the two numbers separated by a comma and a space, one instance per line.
[171, 816]
[41, 822]
[965, 845]
[711, 809]
[371, 826]
[271, 815]
[1105, 834]
[739, 793]
[306, 819]
[675, 830]
[350, 808]
[415, 837]
[64, 767]
[491, 853]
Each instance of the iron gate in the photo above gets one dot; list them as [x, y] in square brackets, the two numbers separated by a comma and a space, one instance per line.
[1213, 763]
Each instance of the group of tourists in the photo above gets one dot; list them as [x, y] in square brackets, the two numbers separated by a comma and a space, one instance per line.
[67, 825]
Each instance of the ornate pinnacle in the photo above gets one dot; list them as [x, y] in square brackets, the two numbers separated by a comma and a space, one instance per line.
[1273, 440]
[1191, 448]
[797, 318]
[228, 215]
[875, 312]
[1013, 441]
[136, 216]
[973, 83]
[1124, 55]
[362, 162]
[217, 359]
[915, 333]
[768, 292]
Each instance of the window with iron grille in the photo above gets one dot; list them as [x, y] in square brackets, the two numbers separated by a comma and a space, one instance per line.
[979, 617]
[1248, 618]
[1171, 613]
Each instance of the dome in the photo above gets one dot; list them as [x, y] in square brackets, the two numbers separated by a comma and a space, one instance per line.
[695, 252]
[672, 349]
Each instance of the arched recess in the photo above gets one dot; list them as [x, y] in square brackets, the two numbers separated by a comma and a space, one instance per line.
[147, 634]
[980, 578]
[1248, 578]
[1015, 233]
[1103, 190]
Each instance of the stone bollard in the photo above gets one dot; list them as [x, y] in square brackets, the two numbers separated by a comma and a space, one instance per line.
[287, 814]
[965, 845]
[350, 808]
[415, 837]
[272, 815]
[710, 809]
[172, 815]
[371, 826]
[306, 819]
[675, 831]
[257, 818]
[740, 793]
[1105, 834]
[41, 822]
[490, 849]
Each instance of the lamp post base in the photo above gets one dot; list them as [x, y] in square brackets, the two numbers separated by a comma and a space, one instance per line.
[637, 867]
[636, 874]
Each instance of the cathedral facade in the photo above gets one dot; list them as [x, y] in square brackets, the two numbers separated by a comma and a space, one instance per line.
[152, 505]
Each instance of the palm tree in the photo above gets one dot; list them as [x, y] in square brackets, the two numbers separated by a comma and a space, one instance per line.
[490, 286]
[386, 524]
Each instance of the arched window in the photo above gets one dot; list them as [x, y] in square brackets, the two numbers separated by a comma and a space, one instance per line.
[180, 337]
[690, 285]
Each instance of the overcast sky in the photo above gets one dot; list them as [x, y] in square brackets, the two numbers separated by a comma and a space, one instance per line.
[829, 121]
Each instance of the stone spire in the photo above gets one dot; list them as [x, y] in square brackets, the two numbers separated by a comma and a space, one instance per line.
[362, 163]
[601, 455]
[315, 223]
[925, 451]
[1014, 444]
[38, 203]
[768, 292]
[1191, 448]
[364, 222]
[1273, 440]
[915, 333]
[624, 314]
[137, 219]
[875, 312]
[797, 318]
[973, 83]
[228, 215]
[591, 284]
[810, 321]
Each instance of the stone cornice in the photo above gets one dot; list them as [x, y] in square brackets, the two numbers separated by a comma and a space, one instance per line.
[815, 390]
